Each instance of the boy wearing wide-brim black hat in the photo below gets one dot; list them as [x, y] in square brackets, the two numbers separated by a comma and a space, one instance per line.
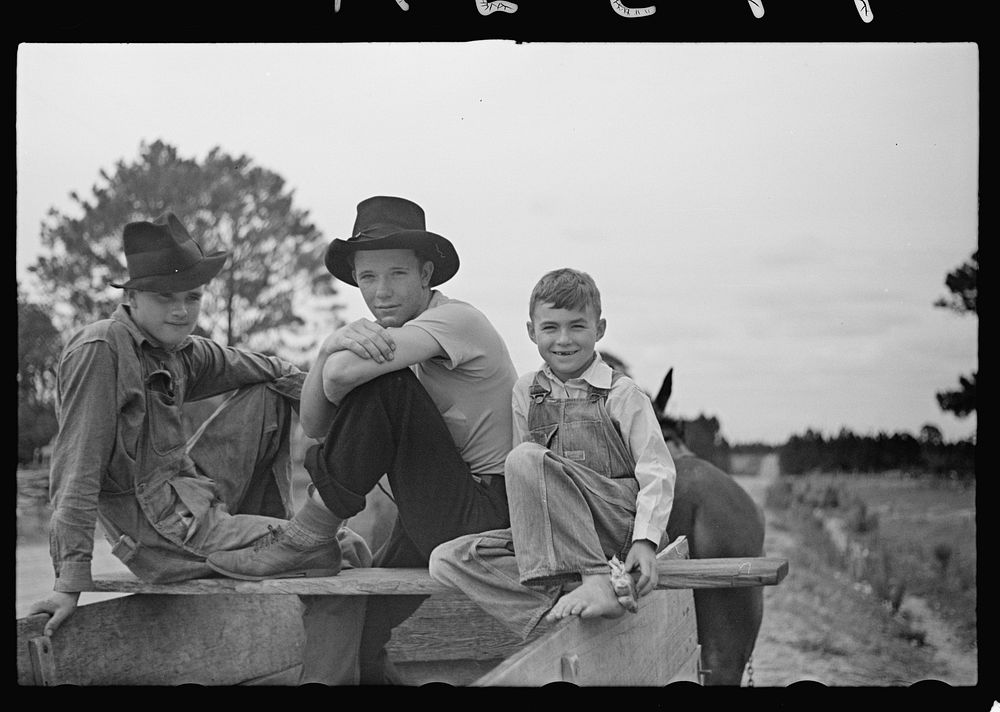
[165, 497]
[421, 394]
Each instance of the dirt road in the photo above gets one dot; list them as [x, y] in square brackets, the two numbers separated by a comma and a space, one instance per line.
[820, 625]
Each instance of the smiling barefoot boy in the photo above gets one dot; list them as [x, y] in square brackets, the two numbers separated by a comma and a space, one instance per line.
[589, 478]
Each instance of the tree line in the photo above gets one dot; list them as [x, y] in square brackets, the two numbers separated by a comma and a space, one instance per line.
[882, 452]
[927, 453]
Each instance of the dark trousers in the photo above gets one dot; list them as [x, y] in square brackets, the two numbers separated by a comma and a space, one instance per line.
[390, 425]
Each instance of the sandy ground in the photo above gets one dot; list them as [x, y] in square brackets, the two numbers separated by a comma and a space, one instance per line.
[820, 626]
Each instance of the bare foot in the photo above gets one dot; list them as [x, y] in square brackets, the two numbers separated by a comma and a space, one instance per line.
[593, 598]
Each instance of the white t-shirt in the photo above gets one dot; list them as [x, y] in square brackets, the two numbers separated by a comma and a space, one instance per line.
[471, 385]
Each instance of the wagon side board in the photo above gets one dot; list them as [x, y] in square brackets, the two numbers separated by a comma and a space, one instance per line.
[164, 640]
[160, 639]
[239, 632]
[656, 646]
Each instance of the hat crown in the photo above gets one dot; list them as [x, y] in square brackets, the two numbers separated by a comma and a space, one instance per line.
[165, 235]
[162, 256]
[382, 214]
[388, 223]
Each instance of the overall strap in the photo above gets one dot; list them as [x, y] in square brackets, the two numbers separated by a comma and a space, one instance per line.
[602, 393]
[538, 390]
[621, 447]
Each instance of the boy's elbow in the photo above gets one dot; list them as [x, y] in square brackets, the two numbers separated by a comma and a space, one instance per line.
[311, 427]
[340, 375]
[335, 385]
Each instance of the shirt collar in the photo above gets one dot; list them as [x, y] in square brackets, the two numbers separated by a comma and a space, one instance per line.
[437, 299]
[123, 315]
[598, 374]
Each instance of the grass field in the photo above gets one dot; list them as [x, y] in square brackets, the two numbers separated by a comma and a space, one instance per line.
[919, 533]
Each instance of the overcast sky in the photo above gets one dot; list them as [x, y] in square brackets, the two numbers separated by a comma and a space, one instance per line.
[774, 221]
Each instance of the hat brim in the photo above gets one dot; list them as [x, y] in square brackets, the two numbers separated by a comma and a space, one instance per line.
[195, 276]
[434, 247]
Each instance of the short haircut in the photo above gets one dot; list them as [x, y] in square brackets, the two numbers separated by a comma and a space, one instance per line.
[566, 288]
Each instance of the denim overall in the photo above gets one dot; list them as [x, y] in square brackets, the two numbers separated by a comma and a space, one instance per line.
[572, 494]
[580, 431]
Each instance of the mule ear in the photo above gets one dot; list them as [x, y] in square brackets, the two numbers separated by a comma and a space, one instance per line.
[660, 402]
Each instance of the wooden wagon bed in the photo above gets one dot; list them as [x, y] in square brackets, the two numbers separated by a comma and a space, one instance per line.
[224, 631]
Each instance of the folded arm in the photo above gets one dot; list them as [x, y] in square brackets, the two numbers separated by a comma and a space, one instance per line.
[337, 371]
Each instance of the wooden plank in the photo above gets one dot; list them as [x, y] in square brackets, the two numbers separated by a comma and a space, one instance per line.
[287, 678]
[681, 631]
[43, 670]
[453, 672]
[450, 627]
[446, 629]
[677, 549]
[674, 574]
[209, 639]
[722, 573]
[645, 648]
[651, 647]
[689, 670]
[166, 640]
[350, 582]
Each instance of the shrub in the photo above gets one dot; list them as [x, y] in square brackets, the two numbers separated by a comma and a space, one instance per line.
[822, 495]
[830, 497]
[859, 520]
[779, 495]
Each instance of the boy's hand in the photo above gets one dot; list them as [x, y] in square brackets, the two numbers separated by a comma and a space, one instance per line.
[59, 606]
[643, 555]
[363, 338]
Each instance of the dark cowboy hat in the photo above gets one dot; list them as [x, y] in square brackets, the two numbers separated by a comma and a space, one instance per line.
[162, 257]
[387, 223]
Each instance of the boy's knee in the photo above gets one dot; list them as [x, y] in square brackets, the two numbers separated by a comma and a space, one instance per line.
[446, 558]
[391, 389]
[523, 458]
[439, 563]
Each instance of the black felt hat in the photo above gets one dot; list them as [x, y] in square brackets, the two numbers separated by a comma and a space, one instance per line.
[388, 223]
[162, 257]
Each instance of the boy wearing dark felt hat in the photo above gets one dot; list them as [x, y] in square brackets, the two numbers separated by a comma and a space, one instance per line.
[420, 393]
[166, 498]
